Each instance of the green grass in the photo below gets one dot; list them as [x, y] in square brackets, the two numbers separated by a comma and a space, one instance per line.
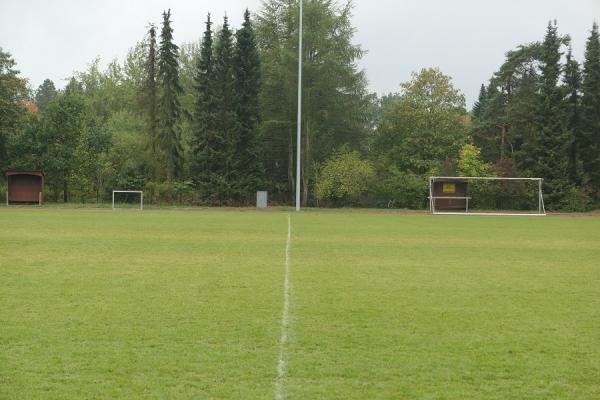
[187, 305]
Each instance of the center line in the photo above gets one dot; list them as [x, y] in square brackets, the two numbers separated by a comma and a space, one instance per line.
[281, 372]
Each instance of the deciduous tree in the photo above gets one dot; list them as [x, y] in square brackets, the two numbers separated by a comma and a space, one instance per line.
[427, 127]
[12, 95]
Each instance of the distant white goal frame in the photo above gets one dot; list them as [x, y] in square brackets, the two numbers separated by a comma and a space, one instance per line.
[141, 193]
[541, 206]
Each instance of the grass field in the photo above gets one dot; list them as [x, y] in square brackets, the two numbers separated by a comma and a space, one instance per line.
[98, 304]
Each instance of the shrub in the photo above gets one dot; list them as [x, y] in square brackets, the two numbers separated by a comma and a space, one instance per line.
[344, 178]
[399, 189]
[576, 200]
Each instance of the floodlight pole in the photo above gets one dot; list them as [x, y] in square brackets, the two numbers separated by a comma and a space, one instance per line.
[299, 123]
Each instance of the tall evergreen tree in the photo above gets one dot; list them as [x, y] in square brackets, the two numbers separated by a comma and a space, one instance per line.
[505, 125]
[151, 92]
[590, 112]
[479, 105]
[169, 108]
[208, 145]
[553, 139]
[44, 94]
[225, 121]
[572, 85]
[246, 68]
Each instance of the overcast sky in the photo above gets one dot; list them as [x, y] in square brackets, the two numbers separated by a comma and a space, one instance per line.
[466, 39]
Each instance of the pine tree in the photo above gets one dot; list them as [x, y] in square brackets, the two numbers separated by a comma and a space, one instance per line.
[225, 122]
[207, 143]
[169, 107]
[151, 92]
[590, 112]
[572, 84]
[479, 105]
[552, 141]
[246, 66]
[45, 93]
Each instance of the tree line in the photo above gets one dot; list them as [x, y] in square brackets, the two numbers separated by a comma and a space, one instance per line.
[540, 116]
[212, 122]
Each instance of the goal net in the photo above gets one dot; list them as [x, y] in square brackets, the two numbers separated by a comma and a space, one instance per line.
[127, 199]
[486, 196]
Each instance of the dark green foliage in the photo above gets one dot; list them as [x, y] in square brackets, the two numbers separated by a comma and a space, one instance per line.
[169, 108]
[225, 122]
[212, 122]
[572, 86]
[151, 92]
[504, 114]
[247, 80]
[207, 143]
[553, 139]
[335, 101]
[397, 189]
[590, 113]
[480, 104]
[44, 94]
[215, 126]
[62, 126]
[12, 95]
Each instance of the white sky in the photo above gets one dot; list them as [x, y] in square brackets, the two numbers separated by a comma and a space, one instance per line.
[467, 39]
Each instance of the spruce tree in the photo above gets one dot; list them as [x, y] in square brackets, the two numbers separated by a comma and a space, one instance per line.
[479, 105]
[45, 93]
[572, 84]
[590, 113]
[151, 92]
[553, 141]
[225, 122]
[169, 106]
[246, 66]
[207, 142]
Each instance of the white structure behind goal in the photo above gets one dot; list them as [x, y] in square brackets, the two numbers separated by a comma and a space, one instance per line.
[128, 191]
[465, 199]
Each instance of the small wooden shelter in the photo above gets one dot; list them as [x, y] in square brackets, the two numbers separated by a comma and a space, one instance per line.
[24, 187]
[450, 194]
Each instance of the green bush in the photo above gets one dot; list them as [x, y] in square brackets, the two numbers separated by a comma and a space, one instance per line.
[344, 178]
[397, 189]
[576, 200]
[184, 192]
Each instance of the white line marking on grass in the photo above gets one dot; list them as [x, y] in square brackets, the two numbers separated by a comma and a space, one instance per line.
[281, 370]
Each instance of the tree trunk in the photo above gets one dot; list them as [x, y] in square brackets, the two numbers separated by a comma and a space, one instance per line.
[306, 165]
[291, 179]
[65, 189]
[502, 142]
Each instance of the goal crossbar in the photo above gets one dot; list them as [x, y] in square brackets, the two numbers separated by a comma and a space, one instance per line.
[541, 212]
[141, 193]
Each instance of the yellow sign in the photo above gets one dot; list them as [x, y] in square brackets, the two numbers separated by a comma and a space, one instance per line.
[449, 188]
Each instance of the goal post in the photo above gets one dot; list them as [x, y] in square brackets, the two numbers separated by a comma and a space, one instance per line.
[128, 194]
[459, 195]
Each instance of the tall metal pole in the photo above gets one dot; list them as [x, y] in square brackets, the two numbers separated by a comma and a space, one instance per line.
[299, 123]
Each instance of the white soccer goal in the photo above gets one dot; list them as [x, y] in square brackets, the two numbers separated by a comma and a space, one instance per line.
[458, 195]
[128, 199]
